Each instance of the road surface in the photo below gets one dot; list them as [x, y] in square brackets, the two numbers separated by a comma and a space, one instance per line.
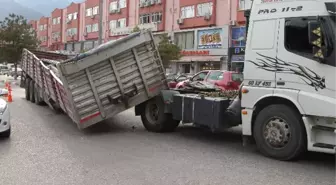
[46, 148]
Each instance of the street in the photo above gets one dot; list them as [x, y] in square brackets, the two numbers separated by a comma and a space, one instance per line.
[47, 148]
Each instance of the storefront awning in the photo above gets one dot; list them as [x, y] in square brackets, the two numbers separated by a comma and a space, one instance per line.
[199, 59]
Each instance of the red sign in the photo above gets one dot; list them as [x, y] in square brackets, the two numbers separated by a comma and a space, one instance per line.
[204, 52]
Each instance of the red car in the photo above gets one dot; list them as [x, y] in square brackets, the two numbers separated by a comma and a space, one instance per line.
[175, 79]
[226, 80]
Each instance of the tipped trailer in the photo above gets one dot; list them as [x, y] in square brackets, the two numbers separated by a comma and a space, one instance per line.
[97, 84]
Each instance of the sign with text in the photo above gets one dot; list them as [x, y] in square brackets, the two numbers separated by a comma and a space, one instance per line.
[210, 39]
[195, 53]
[238, 36]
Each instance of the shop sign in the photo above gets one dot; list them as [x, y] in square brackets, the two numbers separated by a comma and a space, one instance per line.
[238, 58]
[238, 36]
[195, 52]
[210, 39]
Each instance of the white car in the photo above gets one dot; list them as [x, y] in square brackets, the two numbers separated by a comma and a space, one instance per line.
[5, 128]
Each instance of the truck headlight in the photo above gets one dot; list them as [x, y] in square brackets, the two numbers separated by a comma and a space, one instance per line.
[3, 109]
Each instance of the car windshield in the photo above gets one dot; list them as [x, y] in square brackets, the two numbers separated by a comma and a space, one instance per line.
[237, 77]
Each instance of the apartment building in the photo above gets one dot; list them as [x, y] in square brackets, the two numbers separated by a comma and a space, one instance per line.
[203, 29]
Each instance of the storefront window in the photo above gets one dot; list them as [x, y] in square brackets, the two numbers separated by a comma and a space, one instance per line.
[237, 66]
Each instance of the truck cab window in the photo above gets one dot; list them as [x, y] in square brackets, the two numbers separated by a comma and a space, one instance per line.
[297, 38]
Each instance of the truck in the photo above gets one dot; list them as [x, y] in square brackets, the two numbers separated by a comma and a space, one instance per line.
[286, 103]
[97, 84]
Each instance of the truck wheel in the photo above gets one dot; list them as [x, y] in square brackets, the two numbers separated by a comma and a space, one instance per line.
[31, 91]
[279, 132]
[155, 120]
[27, 90]
[38, 99]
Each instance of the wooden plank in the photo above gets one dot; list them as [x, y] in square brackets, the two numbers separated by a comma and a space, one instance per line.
[141, 71]
[95, 93]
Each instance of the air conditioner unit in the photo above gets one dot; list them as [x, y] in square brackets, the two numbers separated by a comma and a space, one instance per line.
[207, 16]
[232, 22]
[148, 3]
[85, 34]
[68, 20]
[118, 10]
[158, 2]
[180, 21]
[152, 2]
[93, 16]
[141, 4]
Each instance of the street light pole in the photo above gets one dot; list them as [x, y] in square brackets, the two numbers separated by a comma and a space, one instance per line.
[100, 25]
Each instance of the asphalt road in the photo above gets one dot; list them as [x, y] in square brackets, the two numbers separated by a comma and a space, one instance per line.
[47, 148]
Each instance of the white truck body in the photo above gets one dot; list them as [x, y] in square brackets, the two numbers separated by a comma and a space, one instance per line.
[280, 67]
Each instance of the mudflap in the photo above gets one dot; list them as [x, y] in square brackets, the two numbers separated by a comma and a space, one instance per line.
[233, 113]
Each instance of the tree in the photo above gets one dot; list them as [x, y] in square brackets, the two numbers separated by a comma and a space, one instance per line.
[168, 50]
[15, 35]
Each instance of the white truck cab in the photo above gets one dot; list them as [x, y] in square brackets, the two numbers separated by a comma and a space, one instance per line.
[288, 97]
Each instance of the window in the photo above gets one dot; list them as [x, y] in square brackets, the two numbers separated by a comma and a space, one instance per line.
[88, 12]
[71, 31]
[188, 12]
[200, 76]
[121, 23]
[114, 5]
[204, 9]
[122, 4]
[95, 10]
[216, 75]
[88, 28]
[75, 15]
[185, 40]
[41, 27]
[157, 17]
[44, 27]
[54, 20]
[70, 16]
[144, 19]
[95, 27]
[113, 24]
[58, 20]
[296, 36]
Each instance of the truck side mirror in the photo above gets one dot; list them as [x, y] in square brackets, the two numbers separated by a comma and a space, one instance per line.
[315, 39]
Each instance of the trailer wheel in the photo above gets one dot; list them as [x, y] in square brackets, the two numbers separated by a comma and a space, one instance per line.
[27, 90]
[279, 132]
[155, 120]
[31, 91]
[38, 99]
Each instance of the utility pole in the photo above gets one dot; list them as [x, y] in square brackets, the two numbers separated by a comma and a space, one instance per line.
[100, 25]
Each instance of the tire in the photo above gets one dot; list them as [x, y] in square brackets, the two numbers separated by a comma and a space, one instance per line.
[38, 99]
[163, 122]
[286, 124]
[6, 134]
[27, 90]
[31, 91]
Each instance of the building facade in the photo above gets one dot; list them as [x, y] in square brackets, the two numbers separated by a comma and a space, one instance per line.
[205, 30]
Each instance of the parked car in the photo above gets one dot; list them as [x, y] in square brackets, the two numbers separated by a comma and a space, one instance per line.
[226, 80]
[12, 72]
[4, 70]
[178, 78]
[5, 128]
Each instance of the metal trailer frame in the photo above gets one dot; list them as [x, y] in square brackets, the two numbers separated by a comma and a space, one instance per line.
[126, 73]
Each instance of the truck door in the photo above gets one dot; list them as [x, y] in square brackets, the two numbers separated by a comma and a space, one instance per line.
[261, 50]
[305, 63]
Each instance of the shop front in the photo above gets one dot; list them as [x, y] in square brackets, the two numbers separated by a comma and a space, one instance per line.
[209, 51]
[237, 50]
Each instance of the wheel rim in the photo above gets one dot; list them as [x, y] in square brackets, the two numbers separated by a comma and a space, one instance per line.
[152, 113]
[277, 132]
